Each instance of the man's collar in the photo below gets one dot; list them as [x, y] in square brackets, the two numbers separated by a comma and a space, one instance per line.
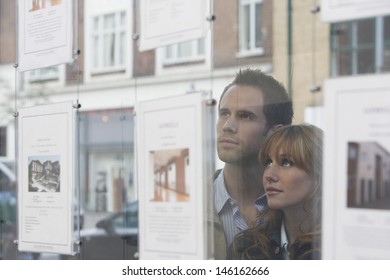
[220, 193]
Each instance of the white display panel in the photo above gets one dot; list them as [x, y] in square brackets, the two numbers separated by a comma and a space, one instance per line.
[356, 198]
[46, 168]
[45, 33]
[171, 21]
[171, 177]
[342, 10]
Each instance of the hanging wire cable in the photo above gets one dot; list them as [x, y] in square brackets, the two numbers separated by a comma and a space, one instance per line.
[77, 106]
[211, 18]
[314, 10]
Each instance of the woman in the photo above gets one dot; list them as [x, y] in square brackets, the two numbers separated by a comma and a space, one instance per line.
[290, 225]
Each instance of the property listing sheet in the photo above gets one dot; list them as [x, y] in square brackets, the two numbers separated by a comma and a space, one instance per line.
[357, 168]
[170, 178]
[46, 178]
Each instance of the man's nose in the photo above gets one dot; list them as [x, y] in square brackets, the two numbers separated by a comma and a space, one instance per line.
[230, 125]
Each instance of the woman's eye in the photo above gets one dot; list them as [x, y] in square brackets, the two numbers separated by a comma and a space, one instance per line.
[267, 162]
[286, 162]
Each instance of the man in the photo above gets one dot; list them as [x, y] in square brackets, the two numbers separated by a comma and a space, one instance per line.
[249, 109]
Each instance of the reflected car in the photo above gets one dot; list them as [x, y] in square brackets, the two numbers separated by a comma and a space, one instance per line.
[113, 238]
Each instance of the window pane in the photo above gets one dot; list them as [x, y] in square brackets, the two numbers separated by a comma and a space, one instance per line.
[123, 19]
[109, 48]
[109, 21]
[341, 35]
[245, 28]
[342, 48]
[366, 59]
[258, 27]
[121, 55]
[96, 23]
[200, 47]
[96, 51]
[386, 49]
[344, 62]
[366, 31]
[386, 58]
[387, 28]
[185, 49]
[169, 51]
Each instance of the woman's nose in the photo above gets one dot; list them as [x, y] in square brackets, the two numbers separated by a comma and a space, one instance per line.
[270, 174]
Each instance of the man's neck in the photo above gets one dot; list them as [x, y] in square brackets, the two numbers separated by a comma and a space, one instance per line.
[244, 183]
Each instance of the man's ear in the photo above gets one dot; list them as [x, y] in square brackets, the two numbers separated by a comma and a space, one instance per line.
[272, 129]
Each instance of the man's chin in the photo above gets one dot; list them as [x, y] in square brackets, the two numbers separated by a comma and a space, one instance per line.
[230, 158]
[237, 160]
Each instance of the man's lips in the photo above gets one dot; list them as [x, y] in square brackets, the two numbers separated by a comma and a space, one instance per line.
[228, 141]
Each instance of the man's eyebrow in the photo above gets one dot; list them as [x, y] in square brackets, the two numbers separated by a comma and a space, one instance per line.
[246, 111]
[223, 109]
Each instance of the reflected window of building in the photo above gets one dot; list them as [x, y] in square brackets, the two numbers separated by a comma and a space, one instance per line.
[185, 52]
[107, 159]
[44, 74]
[109, 41]
[386, 49]
[360, 46]
[250, 27]
[352, 152]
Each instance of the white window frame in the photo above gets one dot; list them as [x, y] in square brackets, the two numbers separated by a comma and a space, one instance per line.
[195, 56]
[118, 30]
[252, 50]
[44, 74]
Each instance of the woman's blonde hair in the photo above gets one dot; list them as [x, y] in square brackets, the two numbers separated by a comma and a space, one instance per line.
[303, 143]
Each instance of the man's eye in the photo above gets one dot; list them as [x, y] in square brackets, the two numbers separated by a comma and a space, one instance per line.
[224, 113]
[286, 162]
[246, 116]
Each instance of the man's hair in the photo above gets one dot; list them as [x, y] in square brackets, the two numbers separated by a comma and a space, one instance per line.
[277, 104]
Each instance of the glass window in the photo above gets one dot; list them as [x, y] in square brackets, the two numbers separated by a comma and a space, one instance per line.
[189, 51]
[250, 20]
[360, 47]
[109, 38]
[386, 49]
[44, 74]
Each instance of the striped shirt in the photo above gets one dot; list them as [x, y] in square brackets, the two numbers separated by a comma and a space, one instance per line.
[228, 210]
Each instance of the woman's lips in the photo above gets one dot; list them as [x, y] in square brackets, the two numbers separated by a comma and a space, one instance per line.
[272, 191]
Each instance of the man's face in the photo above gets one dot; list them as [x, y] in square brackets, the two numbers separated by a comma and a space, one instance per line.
[241, 125]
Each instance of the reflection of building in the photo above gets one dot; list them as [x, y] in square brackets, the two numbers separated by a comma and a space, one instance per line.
[171, 175]
[368, 174]
[106, 159]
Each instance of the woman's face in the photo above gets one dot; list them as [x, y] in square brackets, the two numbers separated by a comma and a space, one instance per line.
[285, 185]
